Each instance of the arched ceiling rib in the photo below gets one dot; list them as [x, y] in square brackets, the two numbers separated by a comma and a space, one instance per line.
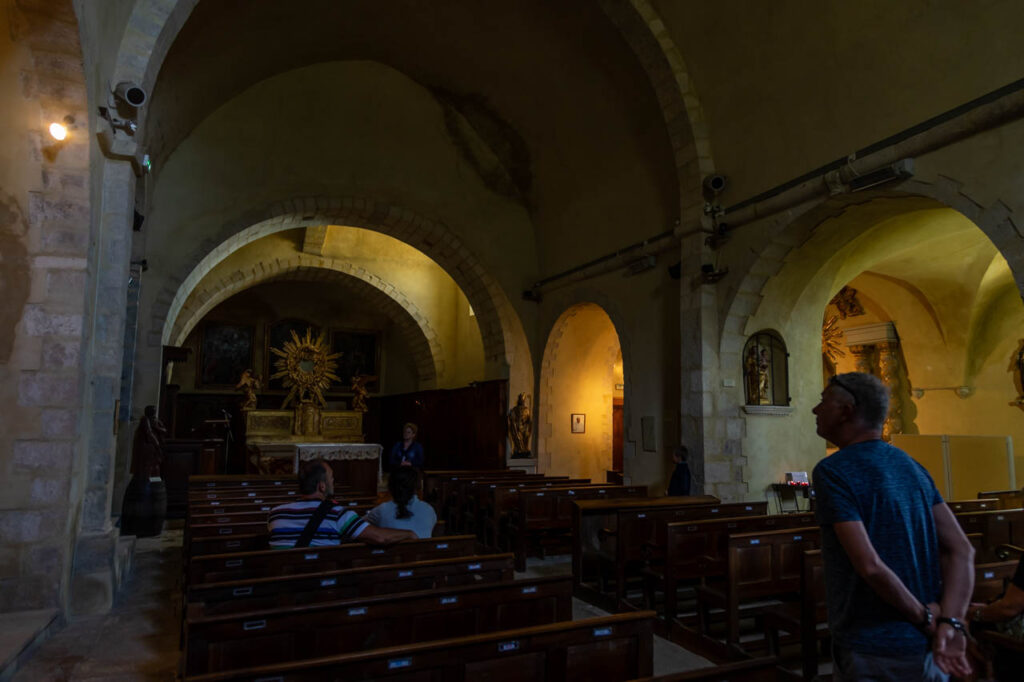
[552, 86]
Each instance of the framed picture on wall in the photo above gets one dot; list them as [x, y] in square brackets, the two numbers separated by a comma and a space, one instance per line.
[578, 422]
[360, 354]
[225, 352]
[277, 334]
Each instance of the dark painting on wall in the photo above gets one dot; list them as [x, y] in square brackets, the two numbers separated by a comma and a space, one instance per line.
[277, 334]
[225, 353]
[360, 354]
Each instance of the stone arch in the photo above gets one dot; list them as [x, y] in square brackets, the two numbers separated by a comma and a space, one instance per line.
[787, 234]
[152, 28]
[643, 29]
[500, 328]
[546, 420]
[414, 327]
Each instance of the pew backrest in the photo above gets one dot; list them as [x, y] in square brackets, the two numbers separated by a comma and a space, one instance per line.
[338, 627]
[306, 588]
[610, 648]
[274, 562]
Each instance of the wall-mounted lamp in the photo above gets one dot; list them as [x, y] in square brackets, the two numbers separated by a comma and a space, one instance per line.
[59, 132]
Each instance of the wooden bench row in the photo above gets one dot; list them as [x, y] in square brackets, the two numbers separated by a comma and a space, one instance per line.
[616, 647]
[339, 627]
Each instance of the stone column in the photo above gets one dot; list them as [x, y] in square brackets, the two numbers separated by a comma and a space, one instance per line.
[889, 372]
[864, 357]
[96, 575]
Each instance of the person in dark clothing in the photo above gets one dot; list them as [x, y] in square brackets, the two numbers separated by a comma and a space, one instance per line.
[406, 452]
[680, 482]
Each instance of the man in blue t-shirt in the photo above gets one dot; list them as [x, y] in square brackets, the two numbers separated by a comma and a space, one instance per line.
[898, 569]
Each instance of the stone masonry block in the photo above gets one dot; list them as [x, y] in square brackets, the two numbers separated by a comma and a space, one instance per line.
[47, 390]
[60, 282]
[34, 454]
[20, 526]
[39, 322]
[717, 472]
[58, 354]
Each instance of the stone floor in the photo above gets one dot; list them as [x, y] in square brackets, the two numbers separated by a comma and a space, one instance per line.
[138, 639]
[668, 657]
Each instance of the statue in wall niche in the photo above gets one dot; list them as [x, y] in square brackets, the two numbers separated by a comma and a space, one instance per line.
[764, 368]
[520, 427]
[757, 374]
[147, 448]
[249, 384]
[847, 304]
[359, 392]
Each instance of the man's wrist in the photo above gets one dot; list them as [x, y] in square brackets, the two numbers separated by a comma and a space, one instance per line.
[926, 619]
[954, 623]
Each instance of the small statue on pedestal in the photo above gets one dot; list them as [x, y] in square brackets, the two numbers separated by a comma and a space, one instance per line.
[359, 392]
[520, 427]
[147, 449]
[249, 384]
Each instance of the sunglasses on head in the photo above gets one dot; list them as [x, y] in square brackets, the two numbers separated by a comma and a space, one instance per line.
[838, 382]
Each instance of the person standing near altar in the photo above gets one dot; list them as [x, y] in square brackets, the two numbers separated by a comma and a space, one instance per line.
[406, 452]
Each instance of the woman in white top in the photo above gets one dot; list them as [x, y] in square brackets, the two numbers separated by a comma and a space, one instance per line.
[404, 511]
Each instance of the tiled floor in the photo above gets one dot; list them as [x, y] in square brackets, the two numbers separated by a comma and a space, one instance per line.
[137, 640]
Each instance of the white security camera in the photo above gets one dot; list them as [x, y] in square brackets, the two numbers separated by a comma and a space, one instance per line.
[130, 93]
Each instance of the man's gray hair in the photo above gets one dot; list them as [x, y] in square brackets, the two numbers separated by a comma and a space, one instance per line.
[870, 396]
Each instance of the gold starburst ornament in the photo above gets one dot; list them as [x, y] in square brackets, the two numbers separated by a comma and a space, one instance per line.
[307, 367]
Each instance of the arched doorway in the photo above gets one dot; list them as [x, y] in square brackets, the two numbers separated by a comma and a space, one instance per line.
[581, 390]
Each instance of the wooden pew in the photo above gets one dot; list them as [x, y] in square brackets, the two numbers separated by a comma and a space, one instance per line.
[456, 492]
[339, 627]
[998, 527]
[610, 648]
[764, 565]
[808, 617]
[433, 479]
[980, 504]
[307, 588]
[755, 670]
[699, 549]
[1008, 499]
[595, 527]
[274, 562]
[990, 579]
[480, 509]
[240, 480]
[549, 512]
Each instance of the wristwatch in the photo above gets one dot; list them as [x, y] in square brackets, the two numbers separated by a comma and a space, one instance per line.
[926, 620]
[954, 623]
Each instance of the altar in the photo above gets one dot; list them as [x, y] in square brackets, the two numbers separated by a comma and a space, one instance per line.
[356, 465]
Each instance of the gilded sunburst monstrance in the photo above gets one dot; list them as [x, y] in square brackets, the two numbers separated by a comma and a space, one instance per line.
[830, 335]
[307, 367]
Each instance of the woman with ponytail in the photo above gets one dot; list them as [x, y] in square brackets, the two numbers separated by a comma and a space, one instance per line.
[405, 510]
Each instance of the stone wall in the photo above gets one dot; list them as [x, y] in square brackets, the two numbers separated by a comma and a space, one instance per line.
[44, 242]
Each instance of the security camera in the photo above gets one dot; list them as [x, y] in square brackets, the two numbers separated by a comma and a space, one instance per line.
[714, 184]
[131, 94]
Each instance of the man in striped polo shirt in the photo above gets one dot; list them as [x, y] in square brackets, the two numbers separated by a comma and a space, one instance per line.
[339, 524]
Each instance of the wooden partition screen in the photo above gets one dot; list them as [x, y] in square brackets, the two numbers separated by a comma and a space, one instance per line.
[461, 428]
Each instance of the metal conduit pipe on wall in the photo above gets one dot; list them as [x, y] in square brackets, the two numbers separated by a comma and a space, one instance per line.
[987, 112]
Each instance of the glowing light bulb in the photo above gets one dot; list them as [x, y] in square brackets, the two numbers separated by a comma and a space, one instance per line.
[58, 131]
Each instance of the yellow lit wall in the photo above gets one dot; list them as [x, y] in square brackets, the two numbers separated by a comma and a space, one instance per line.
[579, 376]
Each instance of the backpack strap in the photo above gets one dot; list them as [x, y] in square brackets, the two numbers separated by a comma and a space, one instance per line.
[314, 523]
